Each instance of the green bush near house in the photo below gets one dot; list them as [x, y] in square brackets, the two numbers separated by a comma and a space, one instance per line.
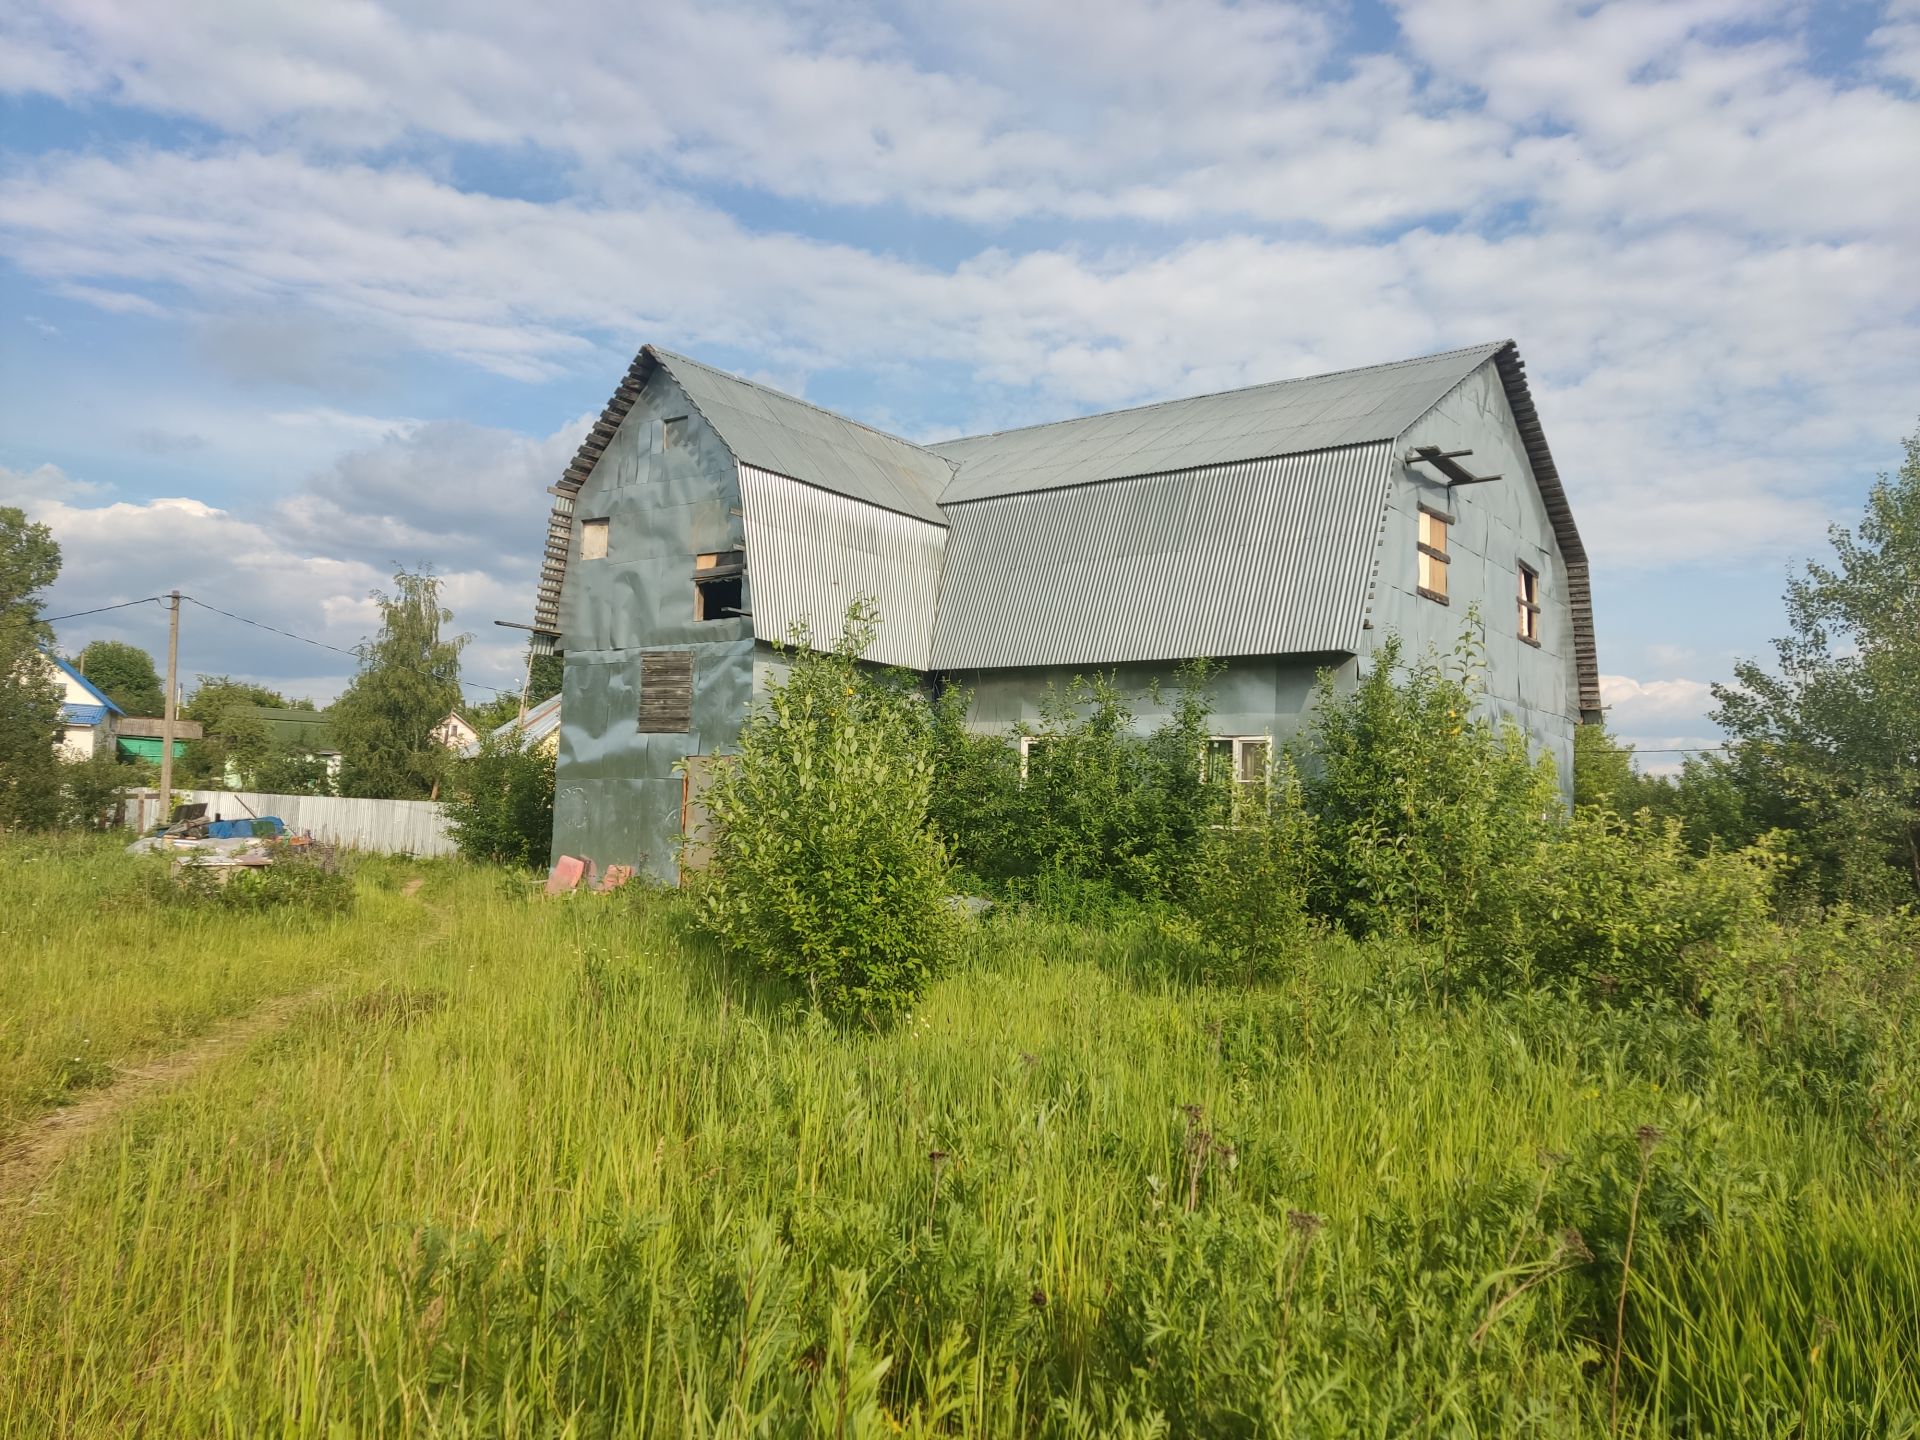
[825, 868]
[499, 803]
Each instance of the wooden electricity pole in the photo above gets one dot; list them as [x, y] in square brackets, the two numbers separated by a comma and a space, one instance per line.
[173, 700]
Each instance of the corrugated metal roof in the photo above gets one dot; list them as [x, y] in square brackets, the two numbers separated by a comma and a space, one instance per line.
[1256, 557]
[1006, 555]
[1288, 417]
[811, 553]
[778, 433]
[541, 721]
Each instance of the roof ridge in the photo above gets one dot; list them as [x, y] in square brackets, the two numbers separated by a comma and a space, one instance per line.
[672, 355]
[1491, 347]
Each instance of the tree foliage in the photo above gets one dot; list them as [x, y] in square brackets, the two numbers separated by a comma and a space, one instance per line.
[29, 699]
[825, 868]
[1097, 812]
[499, 803]
[1425, 810]
[125, 674]
[409, 680]
[1834, 730]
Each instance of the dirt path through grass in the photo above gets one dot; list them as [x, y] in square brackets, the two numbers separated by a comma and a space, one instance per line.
[28, 1156]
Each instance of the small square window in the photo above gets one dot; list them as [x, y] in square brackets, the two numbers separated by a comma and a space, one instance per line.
[593, 539]
[1529, 602]
[1433, 557]
[673, 433]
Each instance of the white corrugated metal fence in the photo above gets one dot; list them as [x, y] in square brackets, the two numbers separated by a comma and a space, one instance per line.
[387, 827]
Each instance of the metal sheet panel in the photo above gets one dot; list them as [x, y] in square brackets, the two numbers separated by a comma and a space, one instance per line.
[1257, 557]
[811, 552]
[786, 436]
[1318, 412]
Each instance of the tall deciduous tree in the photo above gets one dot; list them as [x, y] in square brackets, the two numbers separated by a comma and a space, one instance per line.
[1837, 729]
[126, 674]
[29, 699]
[409, 679]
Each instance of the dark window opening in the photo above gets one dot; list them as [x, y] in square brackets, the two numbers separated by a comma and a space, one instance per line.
[719, 597]
[673, 433]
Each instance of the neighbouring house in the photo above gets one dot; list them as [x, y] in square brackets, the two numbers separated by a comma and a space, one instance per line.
[1282, 529]
[287, 729]
[454, 732]
[538, 730]
[86, 714]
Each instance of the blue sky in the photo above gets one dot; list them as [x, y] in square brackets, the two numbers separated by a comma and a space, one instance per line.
[292, 294]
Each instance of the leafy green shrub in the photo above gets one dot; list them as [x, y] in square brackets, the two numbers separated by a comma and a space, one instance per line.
[1622, 906]
[1426, 813]
[499, 803]
[825, 868]
[92, 790]
[1250, 889]
[1098, 816]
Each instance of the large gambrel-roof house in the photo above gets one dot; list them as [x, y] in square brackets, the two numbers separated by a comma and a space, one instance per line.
[1282, 529]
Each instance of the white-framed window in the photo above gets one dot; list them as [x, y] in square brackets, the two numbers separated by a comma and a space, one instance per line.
[1030, 745]
[1529, 602]
[593, 539]
[1243, 759]
[1432, 556]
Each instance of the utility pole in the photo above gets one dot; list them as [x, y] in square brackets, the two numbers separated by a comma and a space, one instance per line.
[173, 701]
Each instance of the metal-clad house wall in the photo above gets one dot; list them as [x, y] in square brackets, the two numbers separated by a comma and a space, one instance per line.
[1257, 557]
[811, 552]
[618, 789]
[1495, 528]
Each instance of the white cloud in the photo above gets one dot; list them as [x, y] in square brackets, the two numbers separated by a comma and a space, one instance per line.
[1695, 387]
[470, 501]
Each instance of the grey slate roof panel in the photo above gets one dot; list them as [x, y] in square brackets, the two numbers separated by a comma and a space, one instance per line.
[786, 436]
[1256, 557]
[1238, 523]
[1288, 417]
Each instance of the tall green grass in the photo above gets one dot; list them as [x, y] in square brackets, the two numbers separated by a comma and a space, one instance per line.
[547, 1168]
[94, 975]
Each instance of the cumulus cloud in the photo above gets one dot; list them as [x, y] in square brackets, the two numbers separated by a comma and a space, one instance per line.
[469, 501]
[1701, 237]
[1654, 357]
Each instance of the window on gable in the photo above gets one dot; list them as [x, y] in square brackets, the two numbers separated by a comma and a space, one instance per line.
[593, 539]
[1529, 604]
[1433, 553]
[673, 433]
[719, 585]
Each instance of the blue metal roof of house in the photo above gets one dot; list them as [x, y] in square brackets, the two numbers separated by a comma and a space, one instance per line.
[102, 703]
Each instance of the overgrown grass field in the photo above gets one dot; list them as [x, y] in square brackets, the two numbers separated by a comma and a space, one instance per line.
[515, 1166]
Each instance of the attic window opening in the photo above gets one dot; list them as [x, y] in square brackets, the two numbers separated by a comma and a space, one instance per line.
[593, 539]
[1433, 553]
[1529, 601]
[673, 433]
[719, 585]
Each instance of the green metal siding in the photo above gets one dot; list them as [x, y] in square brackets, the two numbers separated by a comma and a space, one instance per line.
[618, 792]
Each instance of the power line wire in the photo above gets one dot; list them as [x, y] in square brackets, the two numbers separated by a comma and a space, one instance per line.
[101, 610]
[323, 645]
